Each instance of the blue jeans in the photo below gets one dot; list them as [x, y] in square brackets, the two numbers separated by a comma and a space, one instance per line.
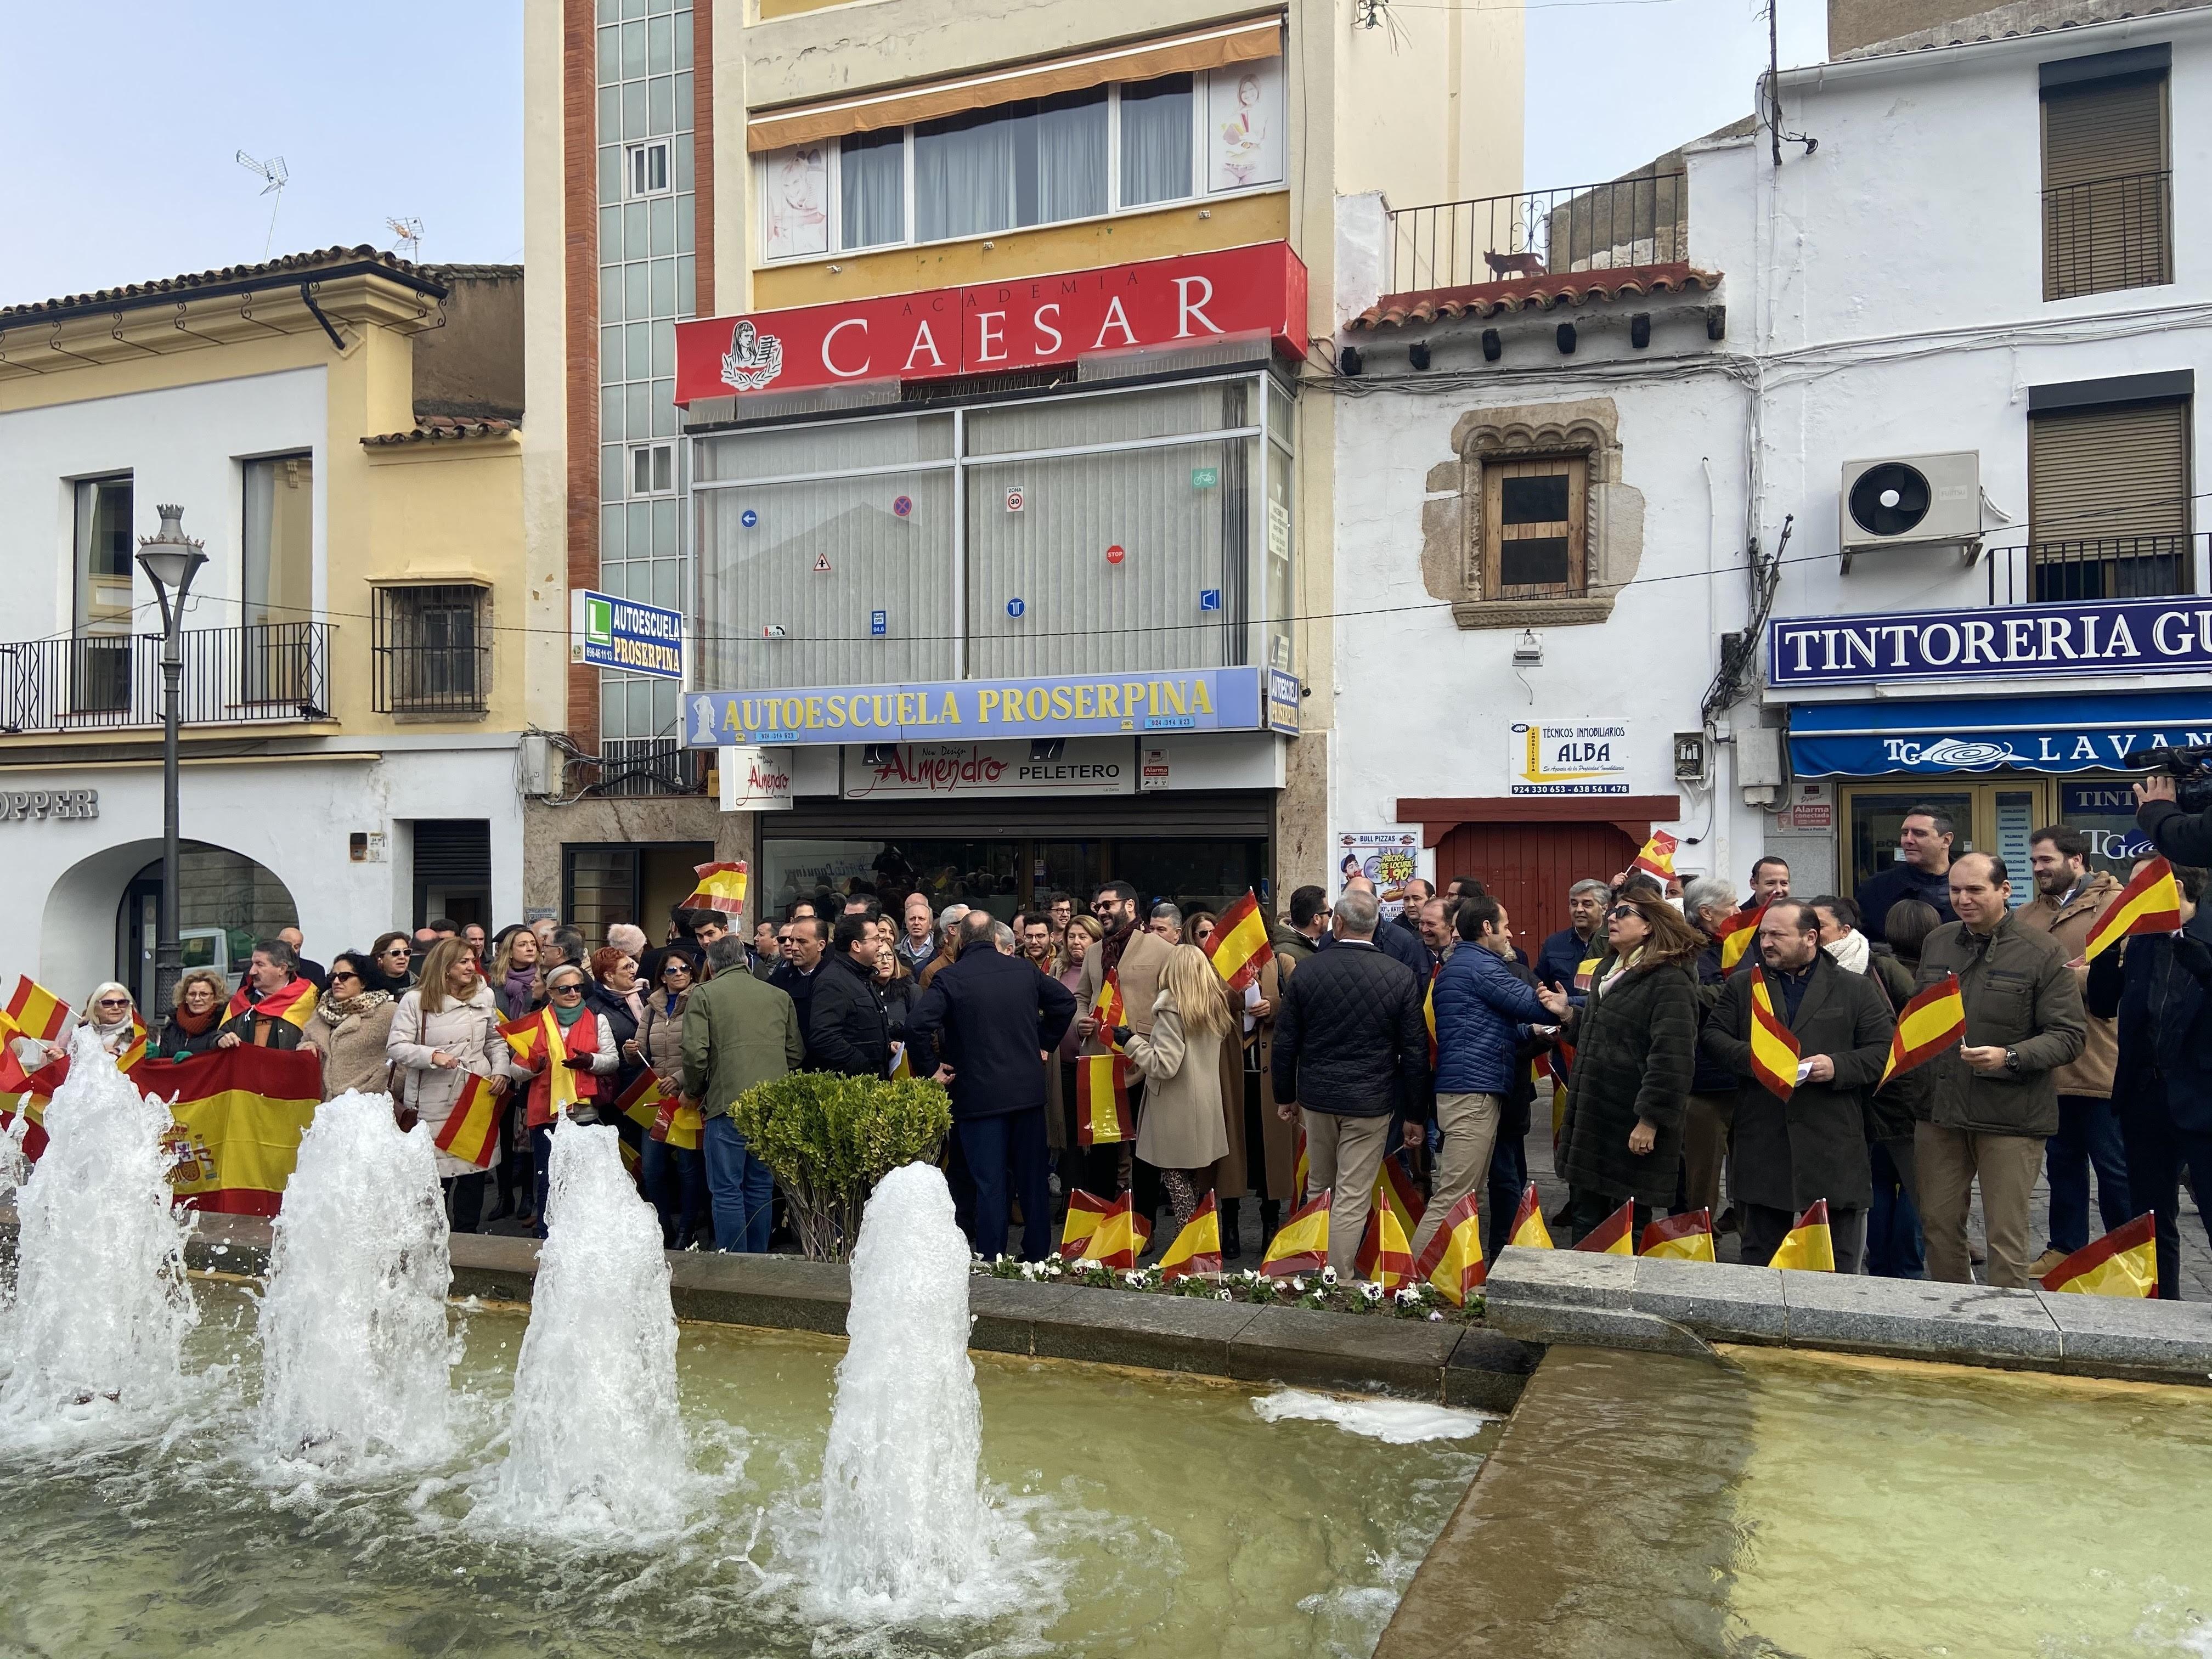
[1006, 1159]
[1894, 1248]
[676, 1181]
[2088, 1133]
[1508, 1176]
[741, 1191]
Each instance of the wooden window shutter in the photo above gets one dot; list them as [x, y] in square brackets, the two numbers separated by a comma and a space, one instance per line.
[1535, 519]
[2107, 192]
[2108, 500]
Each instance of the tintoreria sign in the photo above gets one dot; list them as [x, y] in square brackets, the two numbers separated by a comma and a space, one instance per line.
[2118, 636]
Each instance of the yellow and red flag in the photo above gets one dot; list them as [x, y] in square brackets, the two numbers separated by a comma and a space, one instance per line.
[1385, 1256]
[1302, 1245]
[471, 1130]
[135, 1050]
[1681, 1238]
[1197, 1247]
[1656, 856]
[1737, 935]
[1121, 1234]
[239, 1116]
[1774, 1045]
[538, 1043]
[660, 1112]
[1528, 1229]
[722, 887]
[2149, 903]
[1453, 1263]
[1101, 1101]
[1238, 944]
[1397, 1189]
[33, 1108]
[1932, 1022]
[36, 1012]
[292, 1002]
[1429, 1011]
[1809, 1246]
[1614, 1235]
[1084, 1214]
[2123, 1262]
[641, 1103]
[1111, 1011]
[1299, 1170]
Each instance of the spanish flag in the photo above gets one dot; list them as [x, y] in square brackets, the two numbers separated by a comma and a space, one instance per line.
[1932, 1022]
[1737, 935]
[1528, 1229]
[1396, 1189]
[239, 1116]
[534, 1038]
[1809, 1247]
[1681, 1238]
[1656, 856]
[642, 1101]
[678, 1124]
[33, 1108]
[1773, 1046]
[2149, 903]
[1301, 1246]
[1429, 1011]
[471, 1130]
[1299, 1171]
[1108, 1010]
[1614, 1235]
[36, 1012]
[2123, 1262]
[1385, 1256]
[1121, 1234]
[1084, 1215]
[1101, 1101]
[292, 1003]
[135, 1050]
[722, 887]
[1453, 1263]
[1197, 1247]
[1238, 944]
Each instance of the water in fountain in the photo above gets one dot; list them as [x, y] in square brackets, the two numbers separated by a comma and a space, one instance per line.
[596, 1450]
[355, 1351]
[94, 1337]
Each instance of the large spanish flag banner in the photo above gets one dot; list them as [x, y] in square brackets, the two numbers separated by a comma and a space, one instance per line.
[292, 1003]
[239, 1114]
[1614, 1235]
[1101, 1101]
[1302, 1245]
[1453, 1263]
[1656, 856]
[1773, 1046]
[1085, 1211]
[1528, 1229]
[1238, 944]
[1809, 1246]
[1932, 1022]
[2123, 1262]
[1737, 935]
[1197, 1247]
[471, 1130]
[722, 887]
[2149, 903]
[1121, 1234]
[1681, 1238]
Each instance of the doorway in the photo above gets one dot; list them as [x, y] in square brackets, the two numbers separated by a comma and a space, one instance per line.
[1528, 868]
[603, 884]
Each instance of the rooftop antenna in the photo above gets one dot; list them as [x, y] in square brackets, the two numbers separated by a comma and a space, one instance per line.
[410, 233]
[275, 176]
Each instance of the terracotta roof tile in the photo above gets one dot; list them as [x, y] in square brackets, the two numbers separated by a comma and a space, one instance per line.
[302, 262]
[1554, 291]
[442, 429]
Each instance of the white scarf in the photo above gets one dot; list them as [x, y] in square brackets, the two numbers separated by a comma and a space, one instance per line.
[1851, 951]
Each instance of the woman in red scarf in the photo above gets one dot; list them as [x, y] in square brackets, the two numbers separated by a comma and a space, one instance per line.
[587, 1054]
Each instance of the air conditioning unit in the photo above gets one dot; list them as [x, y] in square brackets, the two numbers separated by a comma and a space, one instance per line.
[1907, 500]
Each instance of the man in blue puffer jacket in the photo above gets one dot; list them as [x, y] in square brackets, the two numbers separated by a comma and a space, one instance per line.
[1481, 1010]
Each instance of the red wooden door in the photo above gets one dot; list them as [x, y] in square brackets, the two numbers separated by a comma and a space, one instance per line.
[1529, 867]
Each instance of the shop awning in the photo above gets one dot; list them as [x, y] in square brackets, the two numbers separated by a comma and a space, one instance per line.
[1983, 734]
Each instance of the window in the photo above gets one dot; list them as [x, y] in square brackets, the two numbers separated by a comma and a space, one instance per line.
[100, 669]
[652, 469]
[1534, 513]
[432, 649]
[1155, 124]
[277, 577]
[871, 171]
[2107, 182]
[2108, 500]
[648, 168]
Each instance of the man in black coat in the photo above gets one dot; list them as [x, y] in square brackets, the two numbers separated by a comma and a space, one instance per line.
[1921, 871]
[1813, 1145]
[992, 1021]
[805, 940]
[848, 1031]
[1350, 1042]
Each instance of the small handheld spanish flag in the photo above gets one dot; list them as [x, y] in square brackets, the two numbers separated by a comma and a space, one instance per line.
[1453, 1263]
[1084, 1215]
[1614, 1235]
[1299, 1171]
[641, 1103]
[2123, 1262]
[1736, 935]
[1656, 856]
[722, 887]
[677, 1125]
[1681, 1238]
[1121, 1234]
[135, 1050]
[1238, 946]
[1773, 1046]
[35, 1011]
[1385, 1256]
[1809, 1246]
[471, 1130]
[1398, 1190]
[1101, 1101]
[1302, 1245]
[2149, 903]
[1197, 1247]
[1932, 1022]
[1528, 1229]
[1111, 1013]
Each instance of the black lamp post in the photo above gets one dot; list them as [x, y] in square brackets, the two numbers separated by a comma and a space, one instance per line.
[170, 560]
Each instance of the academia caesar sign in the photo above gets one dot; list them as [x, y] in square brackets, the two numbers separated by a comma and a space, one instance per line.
[2132, 636]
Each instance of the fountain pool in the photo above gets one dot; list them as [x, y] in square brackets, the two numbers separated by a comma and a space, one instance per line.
[1166, 1518]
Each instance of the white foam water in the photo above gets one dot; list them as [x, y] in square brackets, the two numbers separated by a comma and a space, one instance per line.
[94, 1340]
[596, 1450]
[354, 1345]
[1395, 1422]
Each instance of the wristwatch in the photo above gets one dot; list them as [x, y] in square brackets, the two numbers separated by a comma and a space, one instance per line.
[2012, 1061]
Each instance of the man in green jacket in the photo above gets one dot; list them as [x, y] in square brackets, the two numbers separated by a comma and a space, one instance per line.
[1995, 1098]
[737, 1032]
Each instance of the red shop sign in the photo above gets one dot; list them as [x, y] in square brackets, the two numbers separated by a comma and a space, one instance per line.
[994, 326]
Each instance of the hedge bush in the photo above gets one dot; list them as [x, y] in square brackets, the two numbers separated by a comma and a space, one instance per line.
[829, 1139]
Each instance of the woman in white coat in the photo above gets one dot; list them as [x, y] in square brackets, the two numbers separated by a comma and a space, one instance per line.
[447, 1030]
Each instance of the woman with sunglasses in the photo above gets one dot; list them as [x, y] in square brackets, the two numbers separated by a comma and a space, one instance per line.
[1636, 1046]
[445, 1031]
[389, 968]
[587, 1053]
[351, 1028]
[674, 1177]
[114, 1018]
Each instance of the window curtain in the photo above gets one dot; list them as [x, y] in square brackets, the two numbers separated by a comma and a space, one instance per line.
[964, 177]
[1071, 157]
[871, 184]
[1156, 140]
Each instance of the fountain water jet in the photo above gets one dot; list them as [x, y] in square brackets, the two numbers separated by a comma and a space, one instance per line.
[355, 1351]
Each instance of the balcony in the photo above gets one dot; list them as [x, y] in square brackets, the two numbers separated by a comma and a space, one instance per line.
[2100, 567]
[1641, 221]
[102, 682]
[649, 766]
[2108, 233]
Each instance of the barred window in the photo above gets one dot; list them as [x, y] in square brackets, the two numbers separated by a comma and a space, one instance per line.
[432, 649]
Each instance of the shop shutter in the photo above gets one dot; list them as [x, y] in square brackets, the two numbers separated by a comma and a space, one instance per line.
[2106, 192]
[2108, 500]
[453, 853]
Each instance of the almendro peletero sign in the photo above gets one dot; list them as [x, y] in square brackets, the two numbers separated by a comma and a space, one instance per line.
[2117, 636]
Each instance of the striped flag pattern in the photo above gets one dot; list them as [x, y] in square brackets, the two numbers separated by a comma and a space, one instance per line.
[1197, 1247]
[1614, 1235]
[722, 887]
[1238, 946]
[471, 1130]
[2149, 903]
[1452, 1263]
[1932, 1022]
[1773, 1046]
[1681, 1238]
[2123, 1262]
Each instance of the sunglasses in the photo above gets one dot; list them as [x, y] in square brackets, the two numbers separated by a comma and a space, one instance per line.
[114, 1002]
[343, 972]
[675, 971]
[571, 989]
[1622, 912]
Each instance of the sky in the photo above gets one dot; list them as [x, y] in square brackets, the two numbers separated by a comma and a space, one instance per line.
[424, 121]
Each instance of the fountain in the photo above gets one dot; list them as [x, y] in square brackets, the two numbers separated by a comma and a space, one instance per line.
[355, 1352]
[596, 1449]
[94, 1337]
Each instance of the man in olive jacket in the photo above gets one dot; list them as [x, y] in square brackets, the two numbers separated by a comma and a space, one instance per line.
[737, 1032]
[1995, 1099]
[1789, 1153]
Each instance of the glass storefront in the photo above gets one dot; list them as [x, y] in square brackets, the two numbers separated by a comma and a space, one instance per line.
[1997, 814]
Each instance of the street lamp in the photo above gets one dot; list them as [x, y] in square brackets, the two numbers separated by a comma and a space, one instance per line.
[170, 561]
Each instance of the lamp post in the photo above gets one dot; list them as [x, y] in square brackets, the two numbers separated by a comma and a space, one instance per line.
[170, 561]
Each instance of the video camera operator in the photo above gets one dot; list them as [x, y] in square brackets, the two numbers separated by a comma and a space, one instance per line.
[2173, 805]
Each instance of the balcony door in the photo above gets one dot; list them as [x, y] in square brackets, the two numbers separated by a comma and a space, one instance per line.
[277, 579]
[100, 650]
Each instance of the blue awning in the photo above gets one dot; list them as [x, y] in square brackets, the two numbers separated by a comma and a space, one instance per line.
[2046, 734]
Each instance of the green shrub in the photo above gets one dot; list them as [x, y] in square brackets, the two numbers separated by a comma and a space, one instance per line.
[829, 1140]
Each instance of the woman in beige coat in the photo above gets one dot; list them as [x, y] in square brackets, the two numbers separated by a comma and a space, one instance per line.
[447, 1030]
[349, 1028]
[1183, 1132]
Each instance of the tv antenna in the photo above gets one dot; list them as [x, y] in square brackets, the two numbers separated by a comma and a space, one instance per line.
[275, 176]
[410, 233]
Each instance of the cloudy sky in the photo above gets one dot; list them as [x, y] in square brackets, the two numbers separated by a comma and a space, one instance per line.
[130, 174]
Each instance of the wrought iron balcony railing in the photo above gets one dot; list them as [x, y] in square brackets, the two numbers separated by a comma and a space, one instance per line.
[91, 681]
[649, 766]
[2101, 567]
[2107, 233]
[1497, 239]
